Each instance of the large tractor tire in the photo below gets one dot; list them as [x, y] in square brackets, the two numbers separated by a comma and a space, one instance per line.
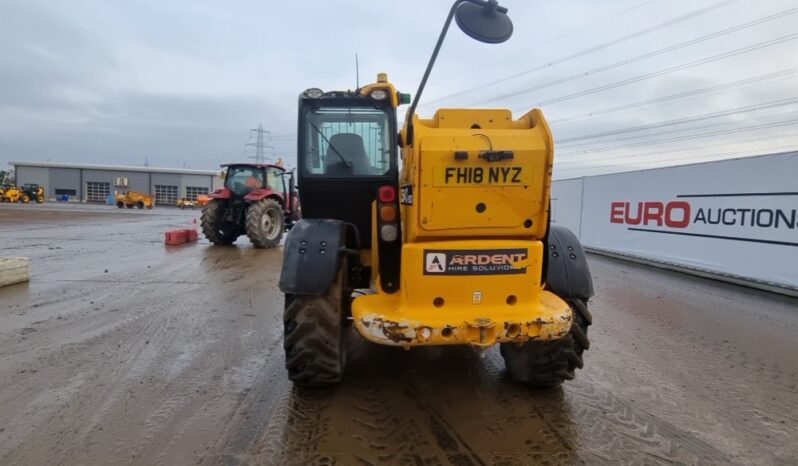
[265, 223]
[313, 338]
[213, 226]
[550, 363]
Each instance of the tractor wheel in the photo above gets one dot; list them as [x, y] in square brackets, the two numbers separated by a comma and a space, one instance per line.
[265, 223]
[213, 225]
[120, 204]
[549, 363]
[313, 341]
[24, 199]
[40, 199]
[140, 205]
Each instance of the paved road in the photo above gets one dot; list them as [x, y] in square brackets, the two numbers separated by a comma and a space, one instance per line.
[121, 350]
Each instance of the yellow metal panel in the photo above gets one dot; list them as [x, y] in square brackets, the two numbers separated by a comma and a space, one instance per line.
[473, 197]
[479, 309]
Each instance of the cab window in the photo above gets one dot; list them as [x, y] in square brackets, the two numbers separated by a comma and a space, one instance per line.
[347, 142]
[274, 179]
[242, 180]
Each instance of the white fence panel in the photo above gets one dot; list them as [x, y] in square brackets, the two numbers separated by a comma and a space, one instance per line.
[735, 217]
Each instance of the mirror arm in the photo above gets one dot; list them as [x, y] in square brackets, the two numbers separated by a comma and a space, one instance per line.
[412, 109]
[488, 4]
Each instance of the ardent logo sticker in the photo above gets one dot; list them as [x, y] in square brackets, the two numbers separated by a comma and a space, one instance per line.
[436, 263]
[476, 262]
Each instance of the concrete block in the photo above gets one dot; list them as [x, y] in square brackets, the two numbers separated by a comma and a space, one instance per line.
[14, 270]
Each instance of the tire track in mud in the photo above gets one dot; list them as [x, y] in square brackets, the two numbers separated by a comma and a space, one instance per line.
[375, 419]
[249, 417]
[602, 427]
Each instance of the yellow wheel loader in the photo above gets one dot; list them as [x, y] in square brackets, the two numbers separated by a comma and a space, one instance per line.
[25, 194]
[453, 248]
[185, 203]
[133, 199]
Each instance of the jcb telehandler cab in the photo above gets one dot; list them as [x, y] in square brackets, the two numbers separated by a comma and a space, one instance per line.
[456, 247]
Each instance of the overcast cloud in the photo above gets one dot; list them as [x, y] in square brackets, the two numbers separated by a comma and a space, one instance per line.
[181, 82]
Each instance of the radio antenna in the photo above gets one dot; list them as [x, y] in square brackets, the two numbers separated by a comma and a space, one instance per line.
[357, 73]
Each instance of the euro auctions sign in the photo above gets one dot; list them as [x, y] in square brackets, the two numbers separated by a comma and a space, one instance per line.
[733, 217]
[763, 217]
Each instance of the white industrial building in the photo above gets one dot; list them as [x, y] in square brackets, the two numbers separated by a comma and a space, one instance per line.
[94, 183]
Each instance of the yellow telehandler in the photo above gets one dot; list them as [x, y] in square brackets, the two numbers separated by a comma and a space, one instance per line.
[454, 248]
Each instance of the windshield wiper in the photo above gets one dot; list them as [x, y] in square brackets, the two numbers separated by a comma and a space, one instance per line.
[346, 162]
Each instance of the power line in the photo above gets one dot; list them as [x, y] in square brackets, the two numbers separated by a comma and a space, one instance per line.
[694, 148]
[685, 138]
[706, 90]
[240, 154]
[546, 42]
[684, 120]
[692, 159]
[666, 132]
[680, 130]
[672, 69]
[644, 56]
[230, 152]
[590, 50]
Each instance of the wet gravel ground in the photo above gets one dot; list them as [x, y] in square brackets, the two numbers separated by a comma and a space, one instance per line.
[123, 351]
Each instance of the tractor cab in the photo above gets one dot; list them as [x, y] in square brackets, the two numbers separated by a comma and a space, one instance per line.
[243, 179]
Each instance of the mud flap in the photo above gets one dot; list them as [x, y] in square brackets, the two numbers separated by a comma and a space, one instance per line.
[312, 256]
[567, 273]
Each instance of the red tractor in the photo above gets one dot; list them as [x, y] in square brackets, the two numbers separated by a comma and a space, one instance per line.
[258, 200]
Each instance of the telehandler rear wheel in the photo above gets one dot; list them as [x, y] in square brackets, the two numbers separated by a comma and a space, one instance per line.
[550, 363]
[213, 225]
[265, 223]
[313, 339]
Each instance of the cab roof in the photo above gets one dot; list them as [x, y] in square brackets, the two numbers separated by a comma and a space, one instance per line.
[250, 164]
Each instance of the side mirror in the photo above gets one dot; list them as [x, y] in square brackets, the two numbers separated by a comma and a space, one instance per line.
[484, 21]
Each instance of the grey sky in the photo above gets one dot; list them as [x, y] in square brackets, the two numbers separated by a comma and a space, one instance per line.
[182, 82]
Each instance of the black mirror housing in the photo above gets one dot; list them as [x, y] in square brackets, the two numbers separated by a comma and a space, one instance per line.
[484, 21]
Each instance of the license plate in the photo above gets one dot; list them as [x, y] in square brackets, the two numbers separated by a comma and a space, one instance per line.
[480, 175]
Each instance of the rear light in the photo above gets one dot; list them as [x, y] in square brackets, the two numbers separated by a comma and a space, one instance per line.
[386, 194]
[388, 213]
[389, 232]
